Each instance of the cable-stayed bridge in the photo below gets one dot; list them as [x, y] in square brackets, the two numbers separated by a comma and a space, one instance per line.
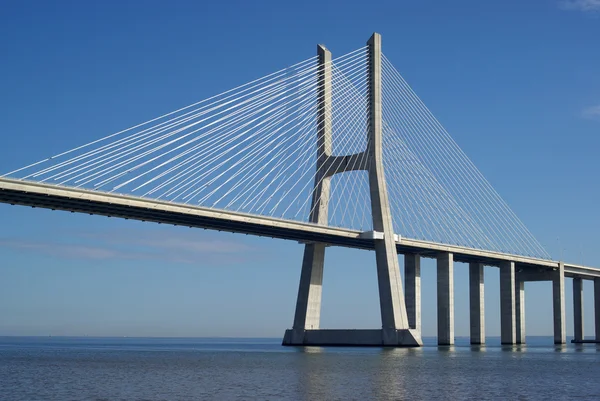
[330, 151]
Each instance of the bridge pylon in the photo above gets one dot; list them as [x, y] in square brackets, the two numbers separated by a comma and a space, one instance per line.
[395, 329]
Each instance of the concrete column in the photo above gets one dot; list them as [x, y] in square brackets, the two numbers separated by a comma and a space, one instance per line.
[578, 308]
[308, 304]
[520, 310]
[320, 196]
[394, 320]
[391, 296]
[558, 303]
[412, 282]
[445, 298]
[507, 303]
[476, 303]
[597, 307]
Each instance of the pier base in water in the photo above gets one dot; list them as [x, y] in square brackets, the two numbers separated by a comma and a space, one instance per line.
[353, 338]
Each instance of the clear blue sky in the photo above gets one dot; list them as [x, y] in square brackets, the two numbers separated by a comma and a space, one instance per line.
[516, 83]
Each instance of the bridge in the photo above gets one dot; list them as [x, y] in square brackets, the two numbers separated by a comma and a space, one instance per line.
[327, 152]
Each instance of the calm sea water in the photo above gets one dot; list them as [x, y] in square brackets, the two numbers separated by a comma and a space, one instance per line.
[50, 368]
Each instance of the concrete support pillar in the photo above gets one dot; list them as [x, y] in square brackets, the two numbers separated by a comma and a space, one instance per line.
[445, 298]
[412, 283]
[578, 309]
[391, 296]
[395, 329]
[507, 303]
[308, 304]
[476, 303]
[597, 307]
[320, 197]
[520, 310]
[558, 303]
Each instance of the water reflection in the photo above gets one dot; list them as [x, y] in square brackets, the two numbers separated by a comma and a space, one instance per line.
[311, 378]
[478, 348]
[513, 347]
[446, 348]
[180, 369]
[311, 350]
[560, 347]
[390, 374]
[400, 352]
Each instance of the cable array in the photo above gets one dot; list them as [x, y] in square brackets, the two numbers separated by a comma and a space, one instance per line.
[436, 193]
[253, 149]
[350, 204]
[250, 149]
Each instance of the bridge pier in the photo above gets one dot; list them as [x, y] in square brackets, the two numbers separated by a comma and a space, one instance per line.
[558, 304]
[557, 277]
[395, 330]
[391, 296]
[508, 333]
[476, 303]
[578, 309]
[412, 284]
[445, 298]
[519, 310]
[597, 307]
[308, 304]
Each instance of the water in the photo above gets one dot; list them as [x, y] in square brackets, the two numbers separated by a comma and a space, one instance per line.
[37, 368]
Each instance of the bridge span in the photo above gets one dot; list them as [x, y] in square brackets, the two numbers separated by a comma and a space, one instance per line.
[77, 200]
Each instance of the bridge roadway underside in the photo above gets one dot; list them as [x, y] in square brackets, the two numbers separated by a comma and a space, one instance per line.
[26, 193]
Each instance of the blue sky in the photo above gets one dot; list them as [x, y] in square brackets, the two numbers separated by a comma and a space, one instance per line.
[516, 83]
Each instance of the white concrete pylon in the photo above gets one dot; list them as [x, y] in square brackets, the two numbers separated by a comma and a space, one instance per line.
[391, 296]
[395, 329]
[308, 304]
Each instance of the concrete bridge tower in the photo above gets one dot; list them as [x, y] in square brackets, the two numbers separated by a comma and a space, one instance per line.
[395, 329]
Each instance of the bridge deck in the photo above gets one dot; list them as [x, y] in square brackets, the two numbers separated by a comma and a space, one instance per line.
[27, 193]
